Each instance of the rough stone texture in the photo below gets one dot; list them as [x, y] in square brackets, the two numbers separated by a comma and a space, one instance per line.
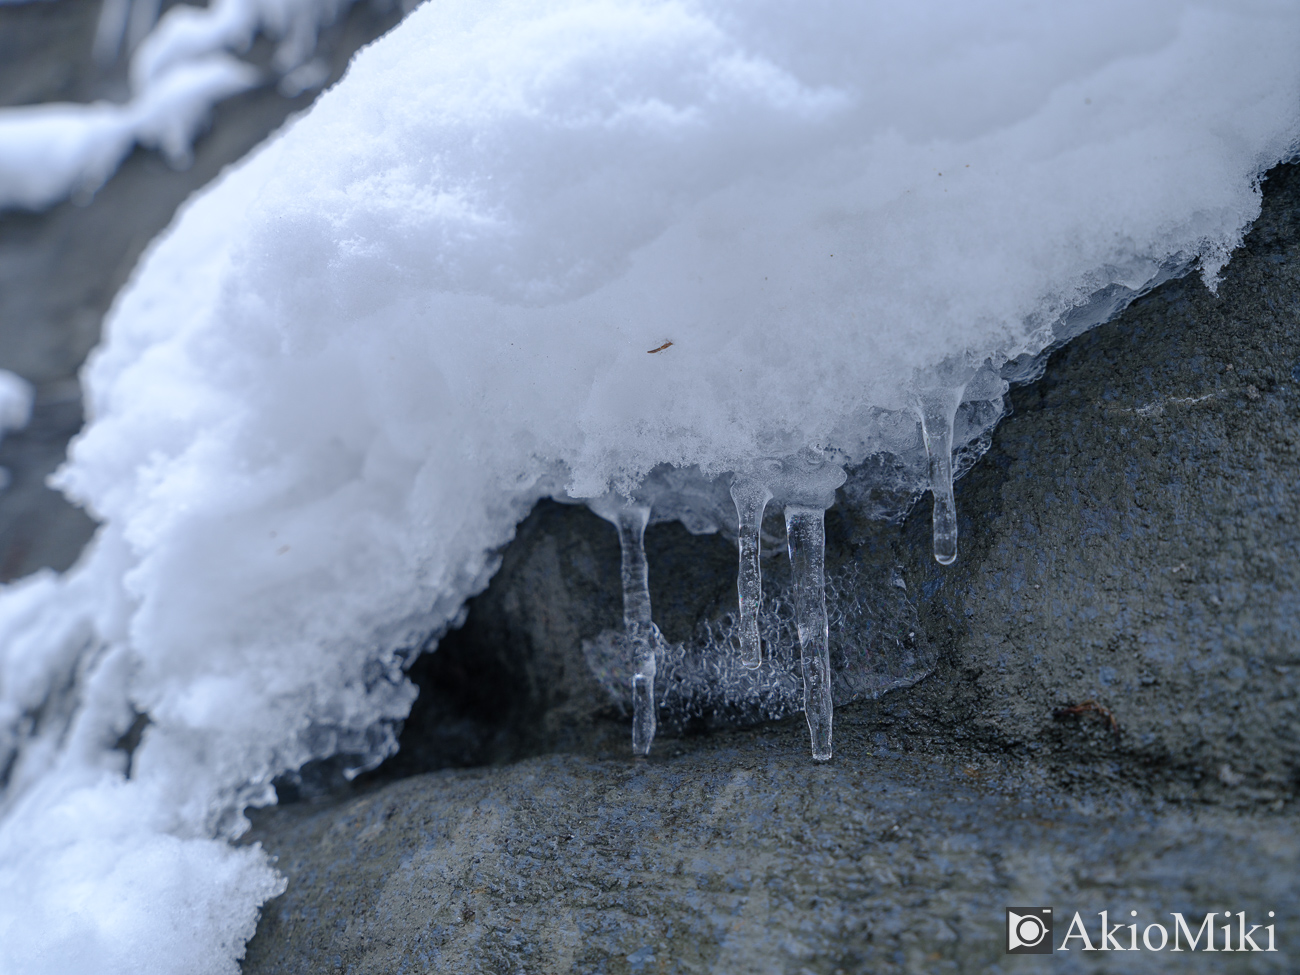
[60, 269]
[1129, 552]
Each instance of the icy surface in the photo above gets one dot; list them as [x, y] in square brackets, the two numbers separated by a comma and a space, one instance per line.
[806, 536]
[179, 69]
[751, 498]
[338, 382]
[875, 645]
[640, 640]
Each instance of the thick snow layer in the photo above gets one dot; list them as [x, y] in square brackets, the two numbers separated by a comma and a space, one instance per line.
[180, 70]
[347, 371]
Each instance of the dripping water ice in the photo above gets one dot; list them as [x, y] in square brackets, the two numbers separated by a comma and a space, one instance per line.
[805, 486]
[892, 458]
[751, 498]
[884, 464]
[641, 635]
[806, 537]
[938, 411]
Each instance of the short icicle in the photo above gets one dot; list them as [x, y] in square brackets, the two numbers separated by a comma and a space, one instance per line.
[806, 534]
[642, 634]
[938, 412]
[751, 499]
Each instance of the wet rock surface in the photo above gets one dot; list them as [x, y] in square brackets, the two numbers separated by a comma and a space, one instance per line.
[735, 854]
[1111, 725]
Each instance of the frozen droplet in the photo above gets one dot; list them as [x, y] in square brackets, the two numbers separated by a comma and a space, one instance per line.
[644, 715]
[642, 635]
[751, 499]
[938, 411]
[806, 535]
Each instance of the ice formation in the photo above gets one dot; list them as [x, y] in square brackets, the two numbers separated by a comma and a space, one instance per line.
[751, 498]
[350, 368]
[641, 638]
[180, 68]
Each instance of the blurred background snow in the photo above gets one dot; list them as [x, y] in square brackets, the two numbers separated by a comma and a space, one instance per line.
[97, 150]
[61, 264]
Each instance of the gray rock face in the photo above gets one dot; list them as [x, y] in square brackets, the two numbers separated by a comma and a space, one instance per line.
[740, 856]
[1111, 724]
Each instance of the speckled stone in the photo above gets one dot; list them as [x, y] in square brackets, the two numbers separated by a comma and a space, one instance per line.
[734, 854]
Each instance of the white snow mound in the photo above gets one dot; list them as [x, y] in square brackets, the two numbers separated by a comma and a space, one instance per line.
[338, 382]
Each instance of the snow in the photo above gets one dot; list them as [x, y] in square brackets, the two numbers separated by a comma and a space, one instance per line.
[337, 383]
[180, 70]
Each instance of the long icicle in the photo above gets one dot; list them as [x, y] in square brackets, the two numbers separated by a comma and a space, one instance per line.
[806, 535]
[751, 500]
[938, 411]
[642, 634]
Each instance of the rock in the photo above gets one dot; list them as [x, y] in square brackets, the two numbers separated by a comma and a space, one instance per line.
[1111, 723]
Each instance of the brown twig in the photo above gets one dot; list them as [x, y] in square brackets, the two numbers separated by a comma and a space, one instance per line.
[660, 349]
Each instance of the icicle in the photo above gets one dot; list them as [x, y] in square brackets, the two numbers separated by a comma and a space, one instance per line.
[938, 411]
[642, 634]
[806, 535]
[751, 499]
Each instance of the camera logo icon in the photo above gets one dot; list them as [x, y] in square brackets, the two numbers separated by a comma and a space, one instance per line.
[1029, 930]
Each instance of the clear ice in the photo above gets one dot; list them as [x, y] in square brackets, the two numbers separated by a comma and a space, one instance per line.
[805, 485]
[751, 498]
[806, 536]
[956, 406]
[938, 411]
[640, 630]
